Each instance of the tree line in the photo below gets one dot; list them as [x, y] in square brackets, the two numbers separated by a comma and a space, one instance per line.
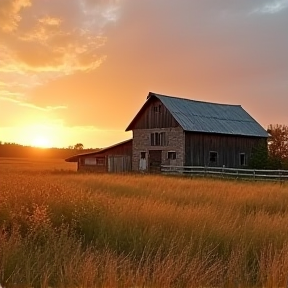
[20, 151]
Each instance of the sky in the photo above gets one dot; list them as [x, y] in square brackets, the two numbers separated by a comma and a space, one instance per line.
[78, 71]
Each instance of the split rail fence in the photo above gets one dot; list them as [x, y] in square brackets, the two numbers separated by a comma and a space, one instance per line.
[252, 174]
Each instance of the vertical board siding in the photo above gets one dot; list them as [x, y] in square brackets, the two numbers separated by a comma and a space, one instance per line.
[119, 163]
[199, 145]
[150, 119]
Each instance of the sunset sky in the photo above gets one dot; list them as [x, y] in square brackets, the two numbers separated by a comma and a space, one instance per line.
[79, 70]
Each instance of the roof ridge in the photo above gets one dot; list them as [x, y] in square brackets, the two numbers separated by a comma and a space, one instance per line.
[192, 100]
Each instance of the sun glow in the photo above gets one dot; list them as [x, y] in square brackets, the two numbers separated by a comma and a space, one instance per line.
[40, 135]
[41, 141]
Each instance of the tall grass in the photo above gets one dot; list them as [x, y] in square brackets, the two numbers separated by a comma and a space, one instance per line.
[63, 229]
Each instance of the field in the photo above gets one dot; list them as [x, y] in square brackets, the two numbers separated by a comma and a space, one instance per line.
[60, 228]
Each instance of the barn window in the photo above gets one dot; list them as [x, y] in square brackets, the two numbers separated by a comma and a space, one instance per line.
[158, 139]
[155, 139]
[171, 155]
[100, 161]
[213, 155]
[143, 155]
[157, 109]
[242, 159]
[90, 161]
[162, 139]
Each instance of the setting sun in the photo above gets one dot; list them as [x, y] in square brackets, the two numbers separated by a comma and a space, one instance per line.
[41, 141]
[39, 135]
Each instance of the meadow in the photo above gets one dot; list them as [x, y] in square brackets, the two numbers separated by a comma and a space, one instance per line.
[60, 228]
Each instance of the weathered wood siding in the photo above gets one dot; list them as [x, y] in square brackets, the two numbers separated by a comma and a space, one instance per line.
[228, 148]
[83, 166]
[155, 115]
[119, 163]
[121, 151]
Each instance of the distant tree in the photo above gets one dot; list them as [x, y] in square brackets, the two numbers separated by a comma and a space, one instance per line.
[79, 146]
[278, 145]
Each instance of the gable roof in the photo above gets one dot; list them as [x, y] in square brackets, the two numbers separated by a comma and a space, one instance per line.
[74, 158]
[198, 116]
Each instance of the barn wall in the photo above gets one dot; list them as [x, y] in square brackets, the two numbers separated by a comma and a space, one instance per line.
[98, 167]
[228, 148]
[119, 155]
[156, 115]
[174, 141]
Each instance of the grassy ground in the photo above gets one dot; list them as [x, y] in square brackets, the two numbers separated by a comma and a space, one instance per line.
[60, 228]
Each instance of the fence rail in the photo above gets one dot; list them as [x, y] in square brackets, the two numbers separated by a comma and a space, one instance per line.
[253, 174]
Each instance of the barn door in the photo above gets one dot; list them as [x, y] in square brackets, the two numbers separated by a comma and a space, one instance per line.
[119, 163]
[155, 157]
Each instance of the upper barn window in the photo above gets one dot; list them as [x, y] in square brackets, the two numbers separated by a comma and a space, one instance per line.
[158, 139]
[157, 108]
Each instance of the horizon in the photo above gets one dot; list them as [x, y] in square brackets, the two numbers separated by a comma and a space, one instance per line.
[79, 71]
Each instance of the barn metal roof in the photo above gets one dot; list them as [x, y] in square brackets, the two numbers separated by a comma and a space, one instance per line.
[198, 116]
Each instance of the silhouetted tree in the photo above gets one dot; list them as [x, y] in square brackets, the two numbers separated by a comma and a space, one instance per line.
[79, 146]
[278, 145]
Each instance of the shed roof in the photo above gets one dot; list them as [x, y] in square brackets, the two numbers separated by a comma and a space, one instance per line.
[75, 157]
[198, 116]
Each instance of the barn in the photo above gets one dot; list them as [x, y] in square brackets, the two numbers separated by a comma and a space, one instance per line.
[175, 131]
[116, 158]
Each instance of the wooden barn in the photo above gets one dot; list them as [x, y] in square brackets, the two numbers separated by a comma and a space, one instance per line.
[175, 131]
[116, 158]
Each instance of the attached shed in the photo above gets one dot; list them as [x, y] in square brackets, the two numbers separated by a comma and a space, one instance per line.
[175, 131]
[116, 158]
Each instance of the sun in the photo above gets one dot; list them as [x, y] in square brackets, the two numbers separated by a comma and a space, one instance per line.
[41, 141]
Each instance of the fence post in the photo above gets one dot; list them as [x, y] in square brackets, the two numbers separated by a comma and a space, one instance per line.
[254, 177]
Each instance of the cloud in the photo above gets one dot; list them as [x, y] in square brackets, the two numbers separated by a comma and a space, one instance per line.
[41, 41]
[10, 13]
[272, 7]
[47, 47]
[16, 98]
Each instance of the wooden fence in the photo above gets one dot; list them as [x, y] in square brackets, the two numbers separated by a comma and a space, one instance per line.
[253, 174]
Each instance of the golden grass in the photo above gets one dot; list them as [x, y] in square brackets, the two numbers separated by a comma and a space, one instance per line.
[65, 229]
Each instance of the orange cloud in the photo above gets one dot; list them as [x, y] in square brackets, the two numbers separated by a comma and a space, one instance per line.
[42, 43]
[10, 13]
[48, 46]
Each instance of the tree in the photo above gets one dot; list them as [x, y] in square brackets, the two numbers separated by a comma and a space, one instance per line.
[278, 144]
[79, 146]
[259, 157]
